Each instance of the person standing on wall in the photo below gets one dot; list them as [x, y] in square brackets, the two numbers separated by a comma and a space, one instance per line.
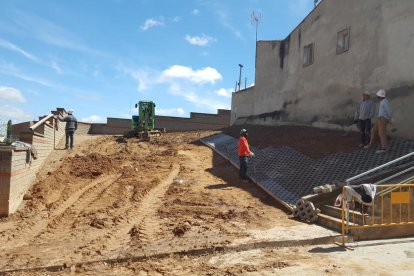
[71, 126]
[384, 118]
[364, 113]
[244, 154]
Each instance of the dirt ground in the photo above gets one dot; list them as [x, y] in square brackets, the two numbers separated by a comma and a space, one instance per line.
[165, 207]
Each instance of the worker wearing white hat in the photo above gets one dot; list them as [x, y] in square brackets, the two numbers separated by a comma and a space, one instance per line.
[71, 126]
[384, 119]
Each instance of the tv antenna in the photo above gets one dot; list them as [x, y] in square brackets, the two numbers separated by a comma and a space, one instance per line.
[255, 19]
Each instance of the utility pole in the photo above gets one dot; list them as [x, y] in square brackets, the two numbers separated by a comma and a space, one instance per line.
[241, 66]
[255, 19]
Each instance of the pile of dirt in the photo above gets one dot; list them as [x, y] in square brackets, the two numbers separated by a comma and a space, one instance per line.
[134, 232]
[228, 215]
[92, 165]
[181, 228]
[311, 141]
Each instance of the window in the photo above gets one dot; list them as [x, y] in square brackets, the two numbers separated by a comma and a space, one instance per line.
[308, 54]
[342, 44]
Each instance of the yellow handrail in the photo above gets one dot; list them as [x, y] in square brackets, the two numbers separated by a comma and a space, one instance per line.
[402, 197]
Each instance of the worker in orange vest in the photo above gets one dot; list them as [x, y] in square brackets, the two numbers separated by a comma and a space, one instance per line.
[244, 153]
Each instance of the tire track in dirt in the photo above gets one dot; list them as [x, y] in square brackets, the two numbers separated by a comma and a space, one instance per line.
[34, 230]
[78, 205]
[28, 239]
[143, 220]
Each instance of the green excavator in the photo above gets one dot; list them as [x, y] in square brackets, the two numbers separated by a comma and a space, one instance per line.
[143, 124]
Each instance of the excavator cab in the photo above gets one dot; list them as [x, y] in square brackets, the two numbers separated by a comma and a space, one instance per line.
[143, 124]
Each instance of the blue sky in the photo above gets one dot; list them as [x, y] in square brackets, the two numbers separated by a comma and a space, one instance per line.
[100, 57]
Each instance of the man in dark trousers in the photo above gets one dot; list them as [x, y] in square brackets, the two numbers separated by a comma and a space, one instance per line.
[71, 126]
[244, 153]
[364, 113]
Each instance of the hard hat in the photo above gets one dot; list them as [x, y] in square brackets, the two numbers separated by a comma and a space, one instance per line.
[243, 131]
[70, 111]
[367, 93]
[381, 93]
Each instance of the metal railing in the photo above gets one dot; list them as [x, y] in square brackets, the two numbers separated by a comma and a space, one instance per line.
[349, 180]
[392, 206]
[385, 192]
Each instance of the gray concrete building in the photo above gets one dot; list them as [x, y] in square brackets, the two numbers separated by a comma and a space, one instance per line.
[316, 75]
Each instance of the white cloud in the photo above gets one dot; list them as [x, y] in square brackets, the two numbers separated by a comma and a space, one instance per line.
[184, 82]
[93, 119]
[224, 19]
[11, 70]
[10, 94]
[8, 112]
[144, 79]
[195, 12]
[200, 98]
[200, 40]
[10, 46]
[56, 67]
[150, 23]
[176, 19]
[170, 111]
[51, 33]
[205, 75]
[224, 92]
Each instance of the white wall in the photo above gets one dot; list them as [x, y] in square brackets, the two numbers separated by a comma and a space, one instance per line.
[381, 55]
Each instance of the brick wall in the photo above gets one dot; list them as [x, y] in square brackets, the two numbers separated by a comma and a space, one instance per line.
[197, 121]
[17, 169]
[83, 128]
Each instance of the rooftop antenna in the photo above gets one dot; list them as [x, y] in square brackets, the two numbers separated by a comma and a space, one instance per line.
[255, 19]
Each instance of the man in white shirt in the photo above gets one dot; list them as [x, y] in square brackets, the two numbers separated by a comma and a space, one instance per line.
[384, 118]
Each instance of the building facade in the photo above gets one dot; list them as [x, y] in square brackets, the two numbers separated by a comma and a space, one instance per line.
[316, 75]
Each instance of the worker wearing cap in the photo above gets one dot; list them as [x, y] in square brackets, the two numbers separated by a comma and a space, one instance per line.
[244, 153]
[364, 112]
[71, 126]
[384, 118]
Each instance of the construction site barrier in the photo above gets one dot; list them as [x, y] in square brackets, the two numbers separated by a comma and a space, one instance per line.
[392, 207]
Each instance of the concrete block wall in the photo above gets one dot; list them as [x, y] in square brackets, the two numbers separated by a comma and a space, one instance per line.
[5, 173]
[83, 128]
[21, 176]
[15, 178]
[197, 121]
[17, 169]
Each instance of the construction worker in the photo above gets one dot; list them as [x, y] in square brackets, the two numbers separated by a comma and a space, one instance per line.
[244, 153]
[71, 126]
[364, 112]
[384, 118]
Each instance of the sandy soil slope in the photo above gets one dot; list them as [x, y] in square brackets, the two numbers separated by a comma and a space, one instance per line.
[165, 207]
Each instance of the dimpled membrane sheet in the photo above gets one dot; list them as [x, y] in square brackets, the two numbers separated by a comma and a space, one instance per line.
[289, 175]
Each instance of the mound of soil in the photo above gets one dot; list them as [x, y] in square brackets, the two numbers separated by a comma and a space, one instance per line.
[91, 166]
[181, 228]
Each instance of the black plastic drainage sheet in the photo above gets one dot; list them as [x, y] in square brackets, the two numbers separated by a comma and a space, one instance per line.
[289, 175]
